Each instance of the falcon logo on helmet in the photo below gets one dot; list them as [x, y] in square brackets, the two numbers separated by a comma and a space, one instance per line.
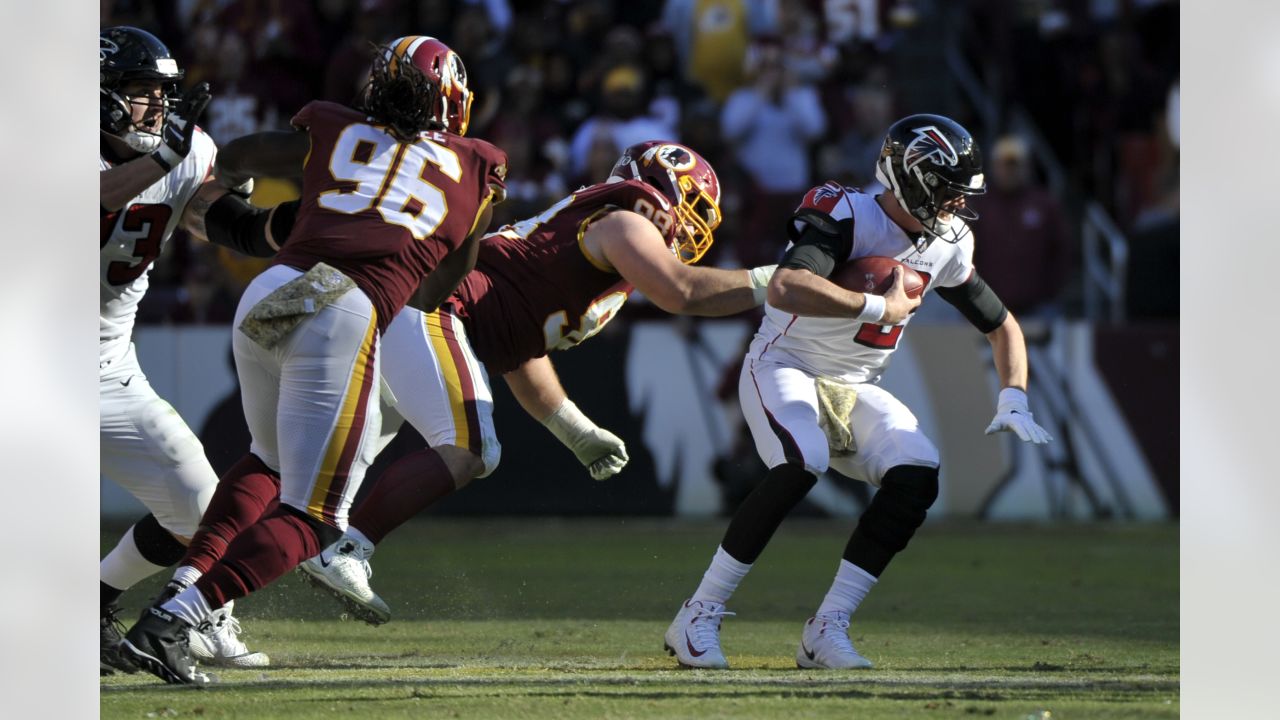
[929, 144]
[106, 49]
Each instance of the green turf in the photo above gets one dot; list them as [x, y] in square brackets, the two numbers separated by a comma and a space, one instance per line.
[564, 619]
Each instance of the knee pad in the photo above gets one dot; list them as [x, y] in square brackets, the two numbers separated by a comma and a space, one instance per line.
[897, 510]
[155, 544]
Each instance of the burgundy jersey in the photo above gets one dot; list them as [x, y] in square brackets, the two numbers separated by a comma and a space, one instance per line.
[382, 211]
[535, 289]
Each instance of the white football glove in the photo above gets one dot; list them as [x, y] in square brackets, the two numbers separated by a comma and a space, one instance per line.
[603, 453]
[1012, 415]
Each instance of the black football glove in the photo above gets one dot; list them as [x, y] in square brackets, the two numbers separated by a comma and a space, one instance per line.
[180, 127]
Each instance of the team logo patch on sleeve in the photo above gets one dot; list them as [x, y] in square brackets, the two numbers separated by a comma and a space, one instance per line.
[929, 144]
[824, 198]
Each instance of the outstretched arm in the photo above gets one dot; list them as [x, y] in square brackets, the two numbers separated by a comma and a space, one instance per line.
[1012, 413]
[633, 247]
[276, 153]
[1010, 352]
[538, 390]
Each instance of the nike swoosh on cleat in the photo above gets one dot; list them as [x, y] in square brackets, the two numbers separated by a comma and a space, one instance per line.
[692, 651]
[125, 383]
[323, 562]
[807, 652]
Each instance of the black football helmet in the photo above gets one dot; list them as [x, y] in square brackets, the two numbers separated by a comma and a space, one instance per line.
[126, 54]
[928, 161]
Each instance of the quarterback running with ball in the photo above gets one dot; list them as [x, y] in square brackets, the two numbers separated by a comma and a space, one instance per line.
[809, 388]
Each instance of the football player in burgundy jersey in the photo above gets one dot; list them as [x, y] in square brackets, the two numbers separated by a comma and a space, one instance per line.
[155, 176]
[393, 197]
[542, 284]
[821, 347]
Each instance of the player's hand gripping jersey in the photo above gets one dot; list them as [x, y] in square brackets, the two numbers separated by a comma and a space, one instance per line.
[132, 238]
[535, 288]
[425, 198]
[848, 349]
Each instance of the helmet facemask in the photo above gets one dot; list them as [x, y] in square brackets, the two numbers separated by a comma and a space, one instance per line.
[118, 109]
[698, 215]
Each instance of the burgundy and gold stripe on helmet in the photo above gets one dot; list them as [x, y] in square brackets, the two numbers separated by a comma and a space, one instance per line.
[688, 181]
[443, 67]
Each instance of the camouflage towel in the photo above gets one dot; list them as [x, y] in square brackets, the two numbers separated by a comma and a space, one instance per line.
[835, 403]
[277, 314]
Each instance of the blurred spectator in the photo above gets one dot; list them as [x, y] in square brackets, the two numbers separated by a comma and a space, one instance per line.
[862, 113]
[564, 85]
[771, 125]
[712, 37]
[1022, 248]
[624, 119]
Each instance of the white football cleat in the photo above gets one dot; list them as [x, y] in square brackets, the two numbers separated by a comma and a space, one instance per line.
[694, 636]
[343, 569]
[825, 644]
[215, 641]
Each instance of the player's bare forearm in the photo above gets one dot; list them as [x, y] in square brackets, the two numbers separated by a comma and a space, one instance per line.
[1010, 353]
[536, 387]
[801, 292]
[712, 292]
[637, 252]
[119, 184]
[193, 218]
[275, 154]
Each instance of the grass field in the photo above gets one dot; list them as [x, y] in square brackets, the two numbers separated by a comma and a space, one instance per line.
[564, 619]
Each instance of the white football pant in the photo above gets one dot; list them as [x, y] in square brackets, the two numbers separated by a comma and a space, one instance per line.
[780, 404]
[148, 450]
[311, 402]
[437, 384]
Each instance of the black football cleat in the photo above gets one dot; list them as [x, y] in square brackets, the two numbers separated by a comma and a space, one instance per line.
[160, 644]
[110, 659]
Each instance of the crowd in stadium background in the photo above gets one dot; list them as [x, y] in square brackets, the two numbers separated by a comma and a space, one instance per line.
[777, 95]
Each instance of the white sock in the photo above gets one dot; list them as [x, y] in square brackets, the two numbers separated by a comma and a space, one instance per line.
[189, 605]
[354, 533]
[186, 576]
[124, 565]
[851, 585]
[721, 578]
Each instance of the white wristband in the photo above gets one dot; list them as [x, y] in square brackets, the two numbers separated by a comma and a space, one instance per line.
[568, 424]
[758, 281]
[872, 308]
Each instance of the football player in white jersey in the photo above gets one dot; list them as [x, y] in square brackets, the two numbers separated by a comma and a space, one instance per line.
[809, 388]
[155, 170]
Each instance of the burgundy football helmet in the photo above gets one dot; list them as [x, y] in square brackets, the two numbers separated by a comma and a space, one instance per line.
[686, 179]
[442, 66]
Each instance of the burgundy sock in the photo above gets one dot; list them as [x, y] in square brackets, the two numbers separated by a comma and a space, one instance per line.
[412, 484]
[259, 555]
[247, 492]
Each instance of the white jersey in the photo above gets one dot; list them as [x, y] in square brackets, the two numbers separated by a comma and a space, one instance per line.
[844, 348]
[132, 238]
